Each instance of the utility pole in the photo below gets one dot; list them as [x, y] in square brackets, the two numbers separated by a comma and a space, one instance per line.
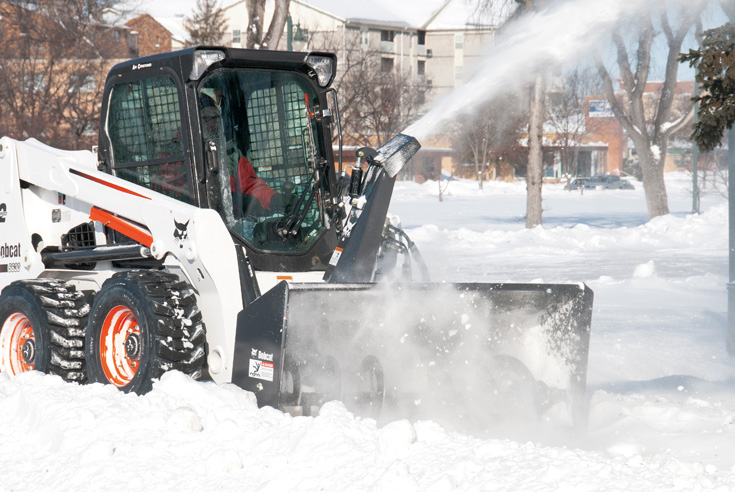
[731, 229]
[289, 33]
[695, 157]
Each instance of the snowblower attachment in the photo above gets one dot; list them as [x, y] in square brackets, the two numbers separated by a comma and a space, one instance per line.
[465, 355]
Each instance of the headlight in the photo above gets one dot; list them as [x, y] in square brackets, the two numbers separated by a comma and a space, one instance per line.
[325, 68]
[203, 60]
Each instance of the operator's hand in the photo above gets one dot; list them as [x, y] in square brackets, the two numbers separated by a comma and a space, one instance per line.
[278, 204]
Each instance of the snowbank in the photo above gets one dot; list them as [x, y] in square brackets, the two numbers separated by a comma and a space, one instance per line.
[660, 382]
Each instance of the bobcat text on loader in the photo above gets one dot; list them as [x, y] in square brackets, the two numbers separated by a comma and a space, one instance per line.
[210, 233]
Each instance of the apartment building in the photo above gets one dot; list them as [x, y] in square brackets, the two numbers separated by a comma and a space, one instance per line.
[434, 44]
[54, 69]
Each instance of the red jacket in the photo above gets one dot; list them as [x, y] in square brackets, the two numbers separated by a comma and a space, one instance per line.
[248, 182]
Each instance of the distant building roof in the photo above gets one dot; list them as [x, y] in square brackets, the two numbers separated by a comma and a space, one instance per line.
[425, 15]
[175, 26]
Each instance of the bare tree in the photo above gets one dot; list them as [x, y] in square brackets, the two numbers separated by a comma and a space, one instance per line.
[207, 24]
[384, 102]
[729, 9]
[566, 115]
[489, 9]
[535, 169]
[376, 100]
[54, 56]
[650, 135]
[487, 135]
[256, 15]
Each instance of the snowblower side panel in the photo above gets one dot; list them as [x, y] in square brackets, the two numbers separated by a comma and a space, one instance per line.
[467, 355]
[258, 359]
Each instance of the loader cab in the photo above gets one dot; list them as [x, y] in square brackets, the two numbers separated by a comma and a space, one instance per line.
[241, 131]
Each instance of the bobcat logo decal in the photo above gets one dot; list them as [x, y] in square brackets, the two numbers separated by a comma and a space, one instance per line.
[181, 233]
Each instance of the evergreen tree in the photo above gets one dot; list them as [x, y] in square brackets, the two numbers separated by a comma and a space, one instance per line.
[715, 64]
[207, 25]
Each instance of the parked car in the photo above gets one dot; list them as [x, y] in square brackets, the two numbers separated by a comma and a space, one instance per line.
[608, 182]
[576, 184]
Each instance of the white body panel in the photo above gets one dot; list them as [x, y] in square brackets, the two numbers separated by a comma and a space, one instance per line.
[268, 280]
[66, 186]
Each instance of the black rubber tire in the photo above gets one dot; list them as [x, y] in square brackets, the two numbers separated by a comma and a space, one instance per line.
[57, 313]
[171, 333]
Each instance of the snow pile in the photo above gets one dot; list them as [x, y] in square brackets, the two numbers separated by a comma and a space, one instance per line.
[197, 436]
[661, 386]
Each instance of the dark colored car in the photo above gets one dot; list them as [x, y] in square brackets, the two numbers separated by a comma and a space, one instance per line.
[576, 184]
[607, 182]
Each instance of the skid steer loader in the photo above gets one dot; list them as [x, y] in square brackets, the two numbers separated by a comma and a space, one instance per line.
[210, 233]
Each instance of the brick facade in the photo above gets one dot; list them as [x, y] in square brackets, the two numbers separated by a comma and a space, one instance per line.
[603, 127]
[147, 36]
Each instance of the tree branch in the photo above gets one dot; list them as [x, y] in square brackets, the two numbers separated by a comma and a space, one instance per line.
[626, 73]
[609, 91]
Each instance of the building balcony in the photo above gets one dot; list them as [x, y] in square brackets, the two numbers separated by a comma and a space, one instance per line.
[387, 47]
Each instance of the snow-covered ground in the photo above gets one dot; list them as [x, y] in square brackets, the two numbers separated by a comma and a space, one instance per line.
[660, 381]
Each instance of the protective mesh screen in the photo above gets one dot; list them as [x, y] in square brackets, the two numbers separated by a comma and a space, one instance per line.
[145, 135]
[278, 133]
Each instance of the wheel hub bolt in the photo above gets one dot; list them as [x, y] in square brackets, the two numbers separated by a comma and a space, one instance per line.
[132, 346]
[28, 351]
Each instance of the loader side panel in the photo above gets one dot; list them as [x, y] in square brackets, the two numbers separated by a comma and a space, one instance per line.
[18, 259]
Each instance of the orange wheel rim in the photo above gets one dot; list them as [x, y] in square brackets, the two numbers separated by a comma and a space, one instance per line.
[17, 345]
[120, 346]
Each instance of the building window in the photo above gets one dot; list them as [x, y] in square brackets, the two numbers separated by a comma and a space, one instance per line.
[386, 65]
[81, 82]
[458, 70]
[387, 36]
[133, 40]
[459, 41]
[33, 82]
[236, 36]
[422, 37]
[421, 69]
[364, 37]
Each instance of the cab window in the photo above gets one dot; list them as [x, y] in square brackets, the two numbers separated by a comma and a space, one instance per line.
[270, 153]
[144, 127]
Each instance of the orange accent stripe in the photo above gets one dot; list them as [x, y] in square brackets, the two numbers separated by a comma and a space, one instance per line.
[110, 185]
[284, 277]
[122, 226]
[308, 109]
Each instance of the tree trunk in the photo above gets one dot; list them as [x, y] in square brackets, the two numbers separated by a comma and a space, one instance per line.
[652, 169]
[275, 30]
[256, 12]
[535, 169]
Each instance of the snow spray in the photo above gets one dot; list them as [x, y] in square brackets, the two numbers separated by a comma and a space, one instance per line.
[538, 41]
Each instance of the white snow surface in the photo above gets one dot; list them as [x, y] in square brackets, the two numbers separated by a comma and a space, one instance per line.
[660, 381]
